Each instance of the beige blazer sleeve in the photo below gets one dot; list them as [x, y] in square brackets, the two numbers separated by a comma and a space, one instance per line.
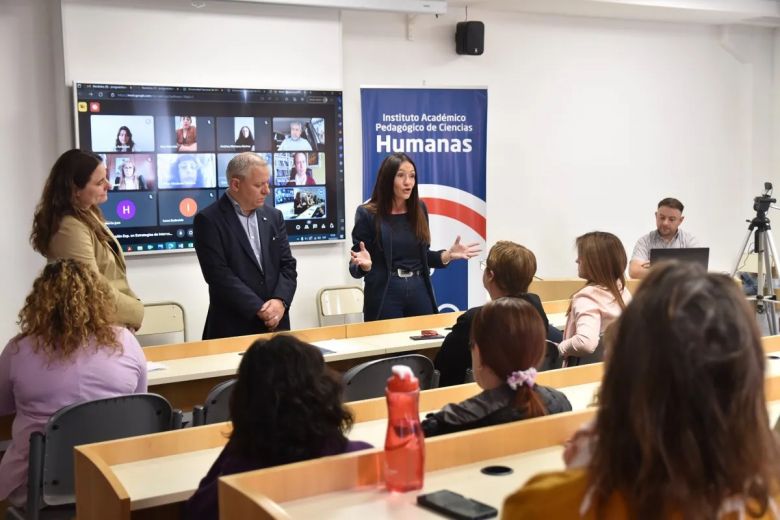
[75, 240]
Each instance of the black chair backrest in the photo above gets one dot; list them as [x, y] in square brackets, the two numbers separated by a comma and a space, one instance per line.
[94, 421]
[597, 356]
[217, 407]
[369, 379]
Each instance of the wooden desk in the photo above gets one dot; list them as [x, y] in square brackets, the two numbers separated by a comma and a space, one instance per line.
[185, 393]
[354, 483]
[551, 289]
[113, 479]
[116, 474]
[557, 319]
[351, 485]
[194, 368]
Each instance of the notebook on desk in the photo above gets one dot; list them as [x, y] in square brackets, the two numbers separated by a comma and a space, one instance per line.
[698, 255]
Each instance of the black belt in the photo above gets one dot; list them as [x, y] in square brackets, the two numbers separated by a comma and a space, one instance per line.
[403, 273]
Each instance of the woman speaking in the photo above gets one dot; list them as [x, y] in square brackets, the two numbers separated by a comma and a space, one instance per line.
[391, 244]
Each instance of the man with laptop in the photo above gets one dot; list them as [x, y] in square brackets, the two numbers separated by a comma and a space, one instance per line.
[667, 235]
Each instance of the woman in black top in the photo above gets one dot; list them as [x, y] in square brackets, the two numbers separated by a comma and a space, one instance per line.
[245, 142]
[124, 140]
[508, 271]
[391, 245]
[508, 338]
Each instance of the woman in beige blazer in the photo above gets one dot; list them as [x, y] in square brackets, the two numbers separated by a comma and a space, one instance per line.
[68, 223]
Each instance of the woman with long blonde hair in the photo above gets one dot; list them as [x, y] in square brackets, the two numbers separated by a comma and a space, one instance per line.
[67, 351]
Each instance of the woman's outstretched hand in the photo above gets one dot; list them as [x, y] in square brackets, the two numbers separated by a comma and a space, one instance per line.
[361, 258]
[458, 251]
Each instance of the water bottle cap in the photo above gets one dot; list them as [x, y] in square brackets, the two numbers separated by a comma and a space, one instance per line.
[402, 380]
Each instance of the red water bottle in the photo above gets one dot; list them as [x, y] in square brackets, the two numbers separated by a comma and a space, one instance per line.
[404, 444]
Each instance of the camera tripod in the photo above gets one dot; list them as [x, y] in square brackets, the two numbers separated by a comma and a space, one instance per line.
[764, 246]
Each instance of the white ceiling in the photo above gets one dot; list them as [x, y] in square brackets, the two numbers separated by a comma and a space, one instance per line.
[717, 12]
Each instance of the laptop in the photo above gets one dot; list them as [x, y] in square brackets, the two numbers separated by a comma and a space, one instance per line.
[698, 255]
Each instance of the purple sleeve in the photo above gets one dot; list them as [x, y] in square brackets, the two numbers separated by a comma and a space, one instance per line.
[7, 405]
[134, 351]
[357, 446]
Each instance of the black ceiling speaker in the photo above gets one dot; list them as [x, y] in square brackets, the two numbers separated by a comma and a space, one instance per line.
[470, 38]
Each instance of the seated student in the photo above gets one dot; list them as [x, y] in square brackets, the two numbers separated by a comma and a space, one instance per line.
[508, 271]
[67, 351]
[682, 429]
[286, 407]
[508, 339]
[601, 260]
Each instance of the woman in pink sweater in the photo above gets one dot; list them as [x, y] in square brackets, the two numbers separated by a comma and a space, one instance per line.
[601, 261]
[67, 351]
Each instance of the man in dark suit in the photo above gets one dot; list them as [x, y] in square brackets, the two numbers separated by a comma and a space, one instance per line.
[245, 257]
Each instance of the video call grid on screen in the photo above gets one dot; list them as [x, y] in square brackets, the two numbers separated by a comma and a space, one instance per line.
[166, 151]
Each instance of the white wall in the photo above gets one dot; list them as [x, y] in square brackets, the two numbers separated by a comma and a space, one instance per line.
[223, 44]
[33, 130]
[591, 121]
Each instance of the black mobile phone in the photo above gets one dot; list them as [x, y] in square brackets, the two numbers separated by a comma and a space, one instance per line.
[422, 337]
[453, 505]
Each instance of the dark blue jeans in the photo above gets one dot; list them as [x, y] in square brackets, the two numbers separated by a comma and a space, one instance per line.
[406, 297]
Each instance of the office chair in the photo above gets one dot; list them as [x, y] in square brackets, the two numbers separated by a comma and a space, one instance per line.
[369, 379]
[51, 479]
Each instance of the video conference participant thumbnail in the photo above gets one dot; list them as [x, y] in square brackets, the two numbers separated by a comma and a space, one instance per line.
[243, 134]
[185, 133]
[180, 206]
[298, 134]
[130, 209]
[301, 203]
[299, 169]
[186, 171]
[130, 172]
[110, 133]
[224, 158]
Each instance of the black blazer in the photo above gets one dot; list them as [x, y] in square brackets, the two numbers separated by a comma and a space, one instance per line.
[380, 248]
[237, 286]
[454, 356]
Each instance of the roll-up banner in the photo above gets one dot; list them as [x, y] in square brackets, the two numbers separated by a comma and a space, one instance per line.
[444, 131]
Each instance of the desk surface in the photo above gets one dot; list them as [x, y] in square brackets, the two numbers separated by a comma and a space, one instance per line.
[557, 319]
[177, 476]
[226, 364]
[374, 502]
[466, 480]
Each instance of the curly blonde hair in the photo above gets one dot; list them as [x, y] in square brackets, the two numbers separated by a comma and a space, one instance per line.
[69, 306]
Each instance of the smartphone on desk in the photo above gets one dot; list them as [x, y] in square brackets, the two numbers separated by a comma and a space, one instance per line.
[427, 334]
[453, 505]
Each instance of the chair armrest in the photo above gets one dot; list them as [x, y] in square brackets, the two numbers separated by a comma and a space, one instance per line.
[176, 419]
[198, 415]
[435, 379]
[35, 475]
